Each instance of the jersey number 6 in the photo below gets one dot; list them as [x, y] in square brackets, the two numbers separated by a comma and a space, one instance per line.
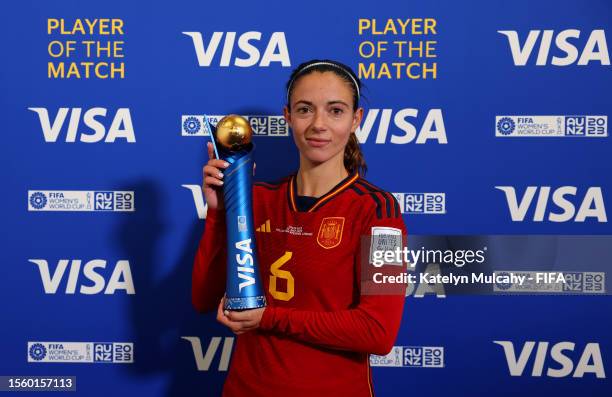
[282, 274]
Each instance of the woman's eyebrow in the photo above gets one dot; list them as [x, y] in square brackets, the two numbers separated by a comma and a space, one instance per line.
[333, 102]
[337, 101]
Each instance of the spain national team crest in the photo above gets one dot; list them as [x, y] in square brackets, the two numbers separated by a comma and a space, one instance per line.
[330, 232]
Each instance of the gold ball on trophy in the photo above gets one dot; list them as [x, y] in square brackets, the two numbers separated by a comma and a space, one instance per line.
[234, 132]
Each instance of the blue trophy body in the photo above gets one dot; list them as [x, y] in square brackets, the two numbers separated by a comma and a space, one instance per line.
[244, 289]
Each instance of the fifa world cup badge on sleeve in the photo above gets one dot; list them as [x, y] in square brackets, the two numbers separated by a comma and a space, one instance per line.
[232, 142]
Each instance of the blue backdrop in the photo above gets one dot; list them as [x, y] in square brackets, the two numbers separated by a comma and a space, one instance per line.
[494, 114]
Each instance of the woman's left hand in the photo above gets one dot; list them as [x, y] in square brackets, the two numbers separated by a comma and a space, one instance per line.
[239, 321]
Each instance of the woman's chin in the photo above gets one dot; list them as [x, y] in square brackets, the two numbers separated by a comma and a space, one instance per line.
[318, 160]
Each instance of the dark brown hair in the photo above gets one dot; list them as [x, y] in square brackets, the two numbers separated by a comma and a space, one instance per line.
[353, 157]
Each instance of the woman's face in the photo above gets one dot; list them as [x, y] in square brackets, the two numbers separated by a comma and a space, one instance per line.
[322, 116]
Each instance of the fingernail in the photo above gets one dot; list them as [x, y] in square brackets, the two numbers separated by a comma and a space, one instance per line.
[220, 182]
[226, 312]
[220, 175]
[226, 164]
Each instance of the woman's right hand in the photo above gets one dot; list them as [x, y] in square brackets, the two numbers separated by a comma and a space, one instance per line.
[213, 179]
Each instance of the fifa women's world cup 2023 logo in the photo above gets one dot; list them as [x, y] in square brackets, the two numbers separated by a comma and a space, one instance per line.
[232, 142]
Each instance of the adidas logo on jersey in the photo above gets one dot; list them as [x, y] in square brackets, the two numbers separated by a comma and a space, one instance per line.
[265, 227]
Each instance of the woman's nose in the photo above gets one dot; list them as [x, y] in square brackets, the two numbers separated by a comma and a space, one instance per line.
[318, 123]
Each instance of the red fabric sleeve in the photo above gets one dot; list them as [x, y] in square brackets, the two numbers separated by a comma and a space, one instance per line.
[370, 327]
[208, 276]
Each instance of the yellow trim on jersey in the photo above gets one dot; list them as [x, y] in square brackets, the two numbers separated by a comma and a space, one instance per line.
[322, 200]
[292, 199]
[368, 374]
[328, 197]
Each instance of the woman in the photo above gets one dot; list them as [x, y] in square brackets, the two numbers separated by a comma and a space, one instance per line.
[323, 319]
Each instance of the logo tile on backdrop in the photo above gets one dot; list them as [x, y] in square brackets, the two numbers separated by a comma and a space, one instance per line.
[554, 282]
[81, 352]
[551, 126]
[411, 356]
[81, 200]
[270, 126]
[422, 203]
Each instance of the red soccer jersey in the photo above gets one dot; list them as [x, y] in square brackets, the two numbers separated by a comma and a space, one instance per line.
[318, 329]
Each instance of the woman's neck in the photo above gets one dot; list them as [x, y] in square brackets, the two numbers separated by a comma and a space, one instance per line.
[317, 179]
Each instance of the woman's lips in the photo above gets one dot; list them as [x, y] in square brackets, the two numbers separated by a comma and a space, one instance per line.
[317, 142]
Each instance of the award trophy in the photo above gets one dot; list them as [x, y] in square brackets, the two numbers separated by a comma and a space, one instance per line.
[231, 141]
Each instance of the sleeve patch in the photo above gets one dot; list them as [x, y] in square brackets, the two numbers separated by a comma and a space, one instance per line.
[385, 239]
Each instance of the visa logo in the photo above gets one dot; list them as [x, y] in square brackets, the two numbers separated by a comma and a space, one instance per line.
[95, 118]
[561, 353]
[591, 205]
[595, 49]
[249, 44]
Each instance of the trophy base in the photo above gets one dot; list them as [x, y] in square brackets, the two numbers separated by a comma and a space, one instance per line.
[244, 303]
